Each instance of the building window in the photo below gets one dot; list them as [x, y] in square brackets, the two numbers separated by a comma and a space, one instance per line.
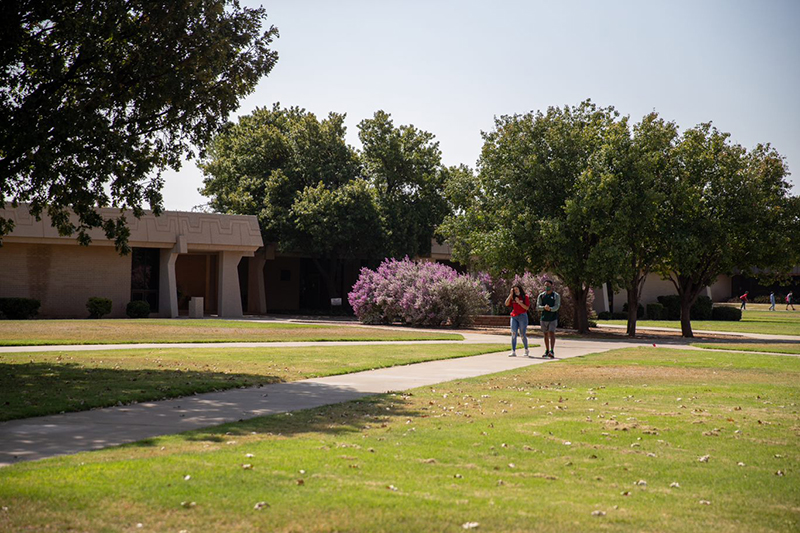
[144, 276]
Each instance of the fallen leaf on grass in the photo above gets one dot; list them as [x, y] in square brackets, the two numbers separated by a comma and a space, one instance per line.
[779, 473]
[247, 466]
[469, 525]
[740, 463]
[674, 485]
[300, 482]
[261, 505]
[704, 502]
[392, 488]
[598, 513]
[641, 483]
[187, 478]
[704, 459]
[188, 505]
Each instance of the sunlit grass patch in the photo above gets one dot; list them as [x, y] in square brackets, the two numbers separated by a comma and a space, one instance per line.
[787, 348]
[753, 321]
[123, 331]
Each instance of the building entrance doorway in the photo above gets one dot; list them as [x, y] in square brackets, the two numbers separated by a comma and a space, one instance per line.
[196, 275]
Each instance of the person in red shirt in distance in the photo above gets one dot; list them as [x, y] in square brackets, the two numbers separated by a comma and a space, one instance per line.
[519, 303]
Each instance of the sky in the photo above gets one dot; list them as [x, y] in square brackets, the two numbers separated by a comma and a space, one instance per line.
[450, 67]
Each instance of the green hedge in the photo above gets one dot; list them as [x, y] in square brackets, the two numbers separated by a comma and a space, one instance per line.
[639, 312]
[724, 312]
[138, 309]
[656, 311]
[98, 307]
[19, 308]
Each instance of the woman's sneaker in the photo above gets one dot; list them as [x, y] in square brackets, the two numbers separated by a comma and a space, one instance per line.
[527, 353]
[512, 354]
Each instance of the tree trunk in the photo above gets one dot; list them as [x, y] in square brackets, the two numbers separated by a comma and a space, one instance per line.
[633, 311]
[686, 321]
[581, 316]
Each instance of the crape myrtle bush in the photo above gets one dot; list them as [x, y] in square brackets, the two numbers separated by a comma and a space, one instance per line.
[533, 284]
[19, 308]
[418, 293]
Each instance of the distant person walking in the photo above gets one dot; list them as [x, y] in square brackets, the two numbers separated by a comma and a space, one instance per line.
[772, 301]
[519, 302]
[548, 303]
[790, 301]
[743, 298]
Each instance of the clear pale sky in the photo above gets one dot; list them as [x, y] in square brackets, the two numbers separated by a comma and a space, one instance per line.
[450, 67]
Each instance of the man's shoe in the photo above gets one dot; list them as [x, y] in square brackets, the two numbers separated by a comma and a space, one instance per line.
[546, 354]
[552, 354]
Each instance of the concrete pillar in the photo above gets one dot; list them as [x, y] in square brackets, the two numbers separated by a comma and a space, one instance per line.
[167, 285]
[229, 300]
[602, 302]
[257, 296]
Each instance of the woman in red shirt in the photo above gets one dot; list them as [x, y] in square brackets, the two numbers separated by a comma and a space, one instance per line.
[519, 303]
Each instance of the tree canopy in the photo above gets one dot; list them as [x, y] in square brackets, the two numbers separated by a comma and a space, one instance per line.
[404, 164]
[96, 98]
[577, 192]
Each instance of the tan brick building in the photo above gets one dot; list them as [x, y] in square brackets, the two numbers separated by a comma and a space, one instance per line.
[176, 256]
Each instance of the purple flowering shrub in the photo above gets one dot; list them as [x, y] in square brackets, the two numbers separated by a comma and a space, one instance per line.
[419, 293]
[533, 284]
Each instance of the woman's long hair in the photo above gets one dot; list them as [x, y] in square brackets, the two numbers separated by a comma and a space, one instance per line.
[521, 292]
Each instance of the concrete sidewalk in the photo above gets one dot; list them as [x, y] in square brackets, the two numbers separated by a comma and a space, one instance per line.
[48, 436]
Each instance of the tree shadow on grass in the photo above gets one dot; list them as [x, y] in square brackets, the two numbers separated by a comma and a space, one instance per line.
[38, 389]
[348, 417]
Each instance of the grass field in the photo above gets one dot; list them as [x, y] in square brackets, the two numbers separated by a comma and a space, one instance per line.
[753, 321]
[35, 384]
[634, 440]
[788, 348]
[124, 331]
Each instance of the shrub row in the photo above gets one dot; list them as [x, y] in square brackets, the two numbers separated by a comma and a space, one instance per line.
[28, 308]
[669, 308]
[19, 308]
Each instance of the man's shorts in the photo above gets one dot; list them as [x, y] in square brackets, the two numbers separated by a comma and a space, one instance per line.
[549, 325]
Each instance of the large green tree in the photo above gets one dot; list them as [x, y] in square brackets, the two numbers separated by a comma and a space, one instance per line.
[404, 164]
[727, 210]
[97, 97]
[526, 209]
[626, 185]
[302, 180]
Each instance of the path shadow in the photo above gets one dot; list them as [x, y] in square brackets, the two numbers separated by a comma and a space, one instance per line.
[38, 389]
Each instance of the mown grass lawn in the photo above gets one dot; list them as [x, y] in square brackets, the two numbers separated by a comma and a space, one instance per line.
[632, 440]
[788, 348]
[35, 384]
[164, 330]
[766, 322]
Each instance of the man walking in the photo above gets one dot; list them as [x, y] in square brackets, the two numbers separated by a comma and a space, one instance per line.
[743, 298]
[548, 303]
[772, 301]
[790, 300]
